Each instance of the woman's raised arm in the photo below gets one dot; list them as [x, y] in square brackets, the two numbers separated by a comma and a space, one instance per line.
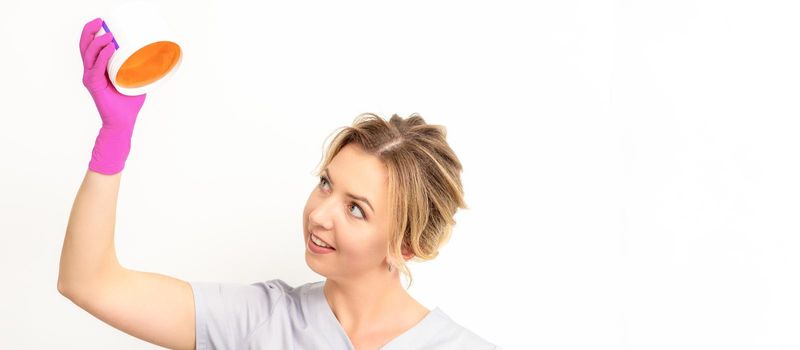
[152, 307]
[149, 306]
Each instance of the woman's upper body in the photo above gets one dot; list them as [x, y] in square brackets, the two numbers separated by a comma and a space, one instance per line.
[275, 315]
[361, 304]
[387, 193]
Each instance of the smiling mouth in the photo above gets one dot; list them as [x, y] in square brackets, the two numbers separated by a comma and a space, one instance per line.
[313, 238]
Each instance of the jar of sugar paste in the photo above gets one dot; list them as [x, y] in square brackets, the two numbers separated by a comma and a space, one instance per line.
[147, 52]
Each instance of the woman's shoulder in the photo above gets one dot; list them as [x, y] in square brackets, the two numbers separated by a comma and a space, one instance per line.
[281, 286]
[271, 291]
[300, 295]
[436, 331]
[445, 330]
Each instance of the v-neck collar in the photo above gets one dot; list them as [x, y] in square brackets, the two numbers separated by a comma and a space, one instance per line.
[328, 325]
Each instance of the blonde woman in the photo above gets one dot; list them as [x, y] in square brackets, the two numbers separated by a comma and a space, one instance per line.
[387, 193]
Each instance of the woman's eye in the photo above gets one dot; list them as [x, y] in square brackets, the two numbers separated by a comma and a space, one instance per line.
[324, 181]
[359, 209]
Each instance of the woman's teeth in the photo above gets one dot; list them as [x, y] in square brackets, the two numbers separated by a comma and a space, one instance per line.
[318, 242]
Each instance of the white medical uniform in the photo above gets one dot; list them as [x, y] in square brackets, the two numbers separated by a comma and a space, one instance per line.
[274, 315]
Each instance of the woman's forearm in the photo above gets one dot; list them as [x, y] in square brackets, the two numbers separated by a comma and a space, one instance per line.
[88, 251]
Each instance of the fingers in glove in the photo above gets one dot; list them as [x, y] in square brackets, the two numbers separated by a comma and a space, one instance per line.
[90, 56]
[89, 30]
[102, 58]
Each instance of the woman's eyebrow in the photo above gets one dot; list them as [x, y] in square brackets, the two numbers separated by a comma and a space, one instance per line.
[360, 198]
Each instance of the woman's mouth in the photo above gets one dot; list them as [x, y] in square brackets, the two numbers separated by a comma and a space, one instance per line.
[318, 246]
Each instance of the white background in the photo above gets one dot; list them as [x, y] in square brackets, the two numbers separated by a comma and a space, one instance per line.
[631, 166]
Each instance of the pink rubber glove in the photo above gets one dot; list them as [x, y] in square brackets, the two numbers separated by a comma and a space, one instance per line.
[118, 111]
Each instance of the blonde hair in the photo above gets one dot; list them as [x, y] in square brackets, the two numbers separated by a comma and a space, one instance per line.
[424, 181]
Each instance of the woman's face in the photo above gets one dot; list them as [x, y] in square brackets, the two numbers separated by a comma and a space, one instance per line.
[357, 229]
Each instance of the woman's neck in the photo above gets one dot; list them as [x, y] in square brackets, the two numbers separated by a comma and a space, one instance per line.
[372, 303]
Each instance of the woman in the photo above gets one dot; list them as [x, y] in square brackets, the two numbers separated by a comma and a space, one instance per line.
[387, 193]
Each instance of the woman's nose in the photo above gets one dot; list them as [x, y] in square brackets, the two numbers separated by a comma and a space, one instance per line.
[322, 214]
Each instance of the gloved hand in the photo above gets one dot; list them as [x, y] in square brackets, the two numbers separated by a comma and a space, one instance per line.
[117, 111]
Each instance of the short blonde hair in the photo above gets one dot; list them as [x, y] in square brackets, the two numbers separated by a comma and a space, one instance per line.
[424, 181]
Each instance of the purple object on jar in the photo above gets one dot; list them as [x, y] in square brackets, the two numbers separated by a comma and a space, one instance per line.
[105, 27]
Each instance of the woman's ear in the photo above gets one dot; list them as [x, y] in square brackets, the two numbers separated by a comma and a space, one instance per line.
[407, 254]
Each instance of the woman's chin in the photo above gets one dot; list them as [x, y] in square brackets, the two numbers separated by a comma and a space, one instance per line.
[309, 257]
